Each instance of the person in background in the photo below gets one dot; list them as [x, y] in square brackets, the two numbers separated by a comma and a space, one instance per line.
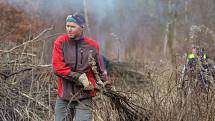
[105, 63]
[76, 81]
[196, 53]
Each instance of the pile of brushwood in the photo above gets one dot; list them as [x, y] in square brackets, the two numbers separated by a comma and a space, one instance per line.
[126, 109]
[26, 94]
[27, 89]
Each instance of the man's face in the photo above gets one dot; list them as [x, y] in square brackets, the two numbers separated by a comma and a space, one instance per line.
[73, 30]
[194, 50]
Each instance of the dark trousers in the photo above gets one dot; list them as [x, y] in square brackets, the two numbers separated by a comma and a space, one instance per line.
[73, 111]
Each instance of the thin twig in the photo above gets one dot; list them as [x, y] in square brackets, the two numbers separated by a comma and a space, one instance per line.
[35, 66]
[15, 53]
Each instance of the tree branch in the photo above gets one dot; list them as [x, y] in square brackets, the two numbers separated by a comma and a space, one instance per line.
[9, 75]
[44, 31]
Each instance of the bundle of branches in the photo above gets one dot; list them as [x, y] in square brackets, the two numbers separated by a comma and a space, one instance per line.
[127, 110]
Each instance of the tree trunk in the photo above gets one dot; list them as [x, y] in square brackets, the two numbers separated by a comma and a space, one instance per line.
[86, 18]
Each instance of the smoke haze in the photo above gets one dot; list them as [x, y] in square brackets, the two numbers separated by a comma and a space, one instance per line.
[131, 25]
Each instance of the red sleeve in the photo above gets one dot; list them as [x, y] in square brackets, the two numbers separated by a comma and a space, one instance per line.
[59, 66]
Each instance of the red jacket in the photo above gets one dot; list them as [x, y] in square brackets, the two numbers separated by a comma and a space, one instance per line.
[70, 59]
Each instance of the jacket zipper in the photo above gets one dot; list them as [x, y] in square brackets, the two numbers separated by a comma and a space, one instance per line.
[76, 56]
[81, 56]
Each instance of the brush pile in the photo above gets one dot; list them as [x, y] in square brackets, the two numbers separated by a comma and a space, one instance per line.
[26, 90]
[126, 109]
[24, 98]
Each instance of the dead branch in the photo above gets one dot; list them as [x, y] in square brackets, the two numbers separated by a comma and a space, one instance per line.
[34, 39]
[29, 97]
[14, 73]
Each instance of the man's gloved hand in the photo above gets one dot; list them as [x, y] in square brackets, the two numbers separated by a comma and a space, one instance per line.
[103, 86]
[107, 85]
[85, 82]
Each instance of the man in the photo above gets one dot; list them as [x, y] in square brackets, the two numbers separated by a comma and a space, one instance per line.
[76, 80]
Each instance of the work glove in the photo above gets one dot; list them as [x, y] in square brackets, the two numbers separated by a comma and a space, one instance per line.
[85, 82]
